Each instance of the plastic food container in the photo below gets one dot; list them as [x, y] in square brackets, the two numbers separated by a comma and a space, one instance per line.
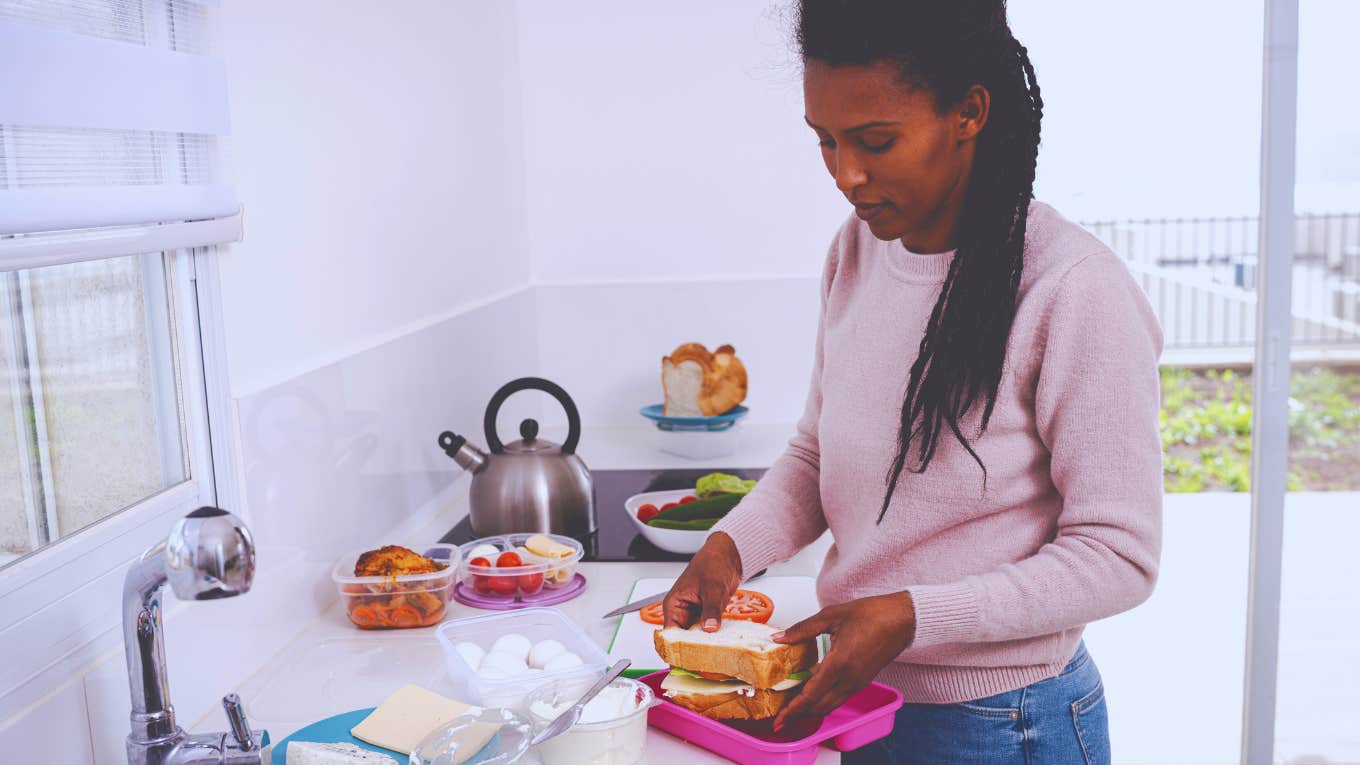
[865, 717]
[535, 624]
[510, 583]
[397, 602]
[615, 741]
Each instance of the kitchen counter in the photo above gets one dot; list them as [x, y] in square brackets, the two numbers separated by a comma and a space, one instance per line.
[332, 667]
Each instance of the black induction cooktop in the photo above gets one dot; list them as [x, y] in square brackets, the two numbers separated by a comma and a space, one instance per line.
[617, 539]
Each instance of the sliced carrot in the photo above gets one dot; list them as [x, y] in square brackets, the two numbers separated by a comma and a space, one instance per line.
[404, 616]
[434, 617]
[364, 616]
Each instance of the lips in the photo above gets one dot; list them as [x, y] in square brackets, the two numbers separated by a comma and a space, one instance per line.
[866, 211]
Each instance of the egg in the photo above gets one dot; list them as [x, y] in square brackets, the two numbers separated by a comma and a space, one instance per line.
[514, 644]
[485, 551]
[503, 663]
[544, 651]
[471, 653]
[563, 662]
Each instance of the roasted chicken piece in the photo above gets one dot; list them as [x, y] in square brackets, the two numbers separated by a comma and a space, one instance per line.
[394, 560]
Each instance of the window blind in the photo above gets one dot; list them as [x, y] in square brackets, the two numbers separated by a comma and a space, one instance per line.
[112, 113]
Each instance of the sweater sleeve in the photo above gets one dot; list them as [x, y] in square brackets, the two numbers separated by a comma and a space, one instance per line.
[783, 513]
[1097, 401]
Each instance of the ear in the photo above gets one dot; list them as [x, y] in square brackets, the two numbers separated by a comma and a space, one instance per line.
[972, 113]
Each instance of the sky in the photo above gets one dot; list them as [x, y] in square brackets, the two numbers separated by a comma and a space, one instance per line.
[1153, 109]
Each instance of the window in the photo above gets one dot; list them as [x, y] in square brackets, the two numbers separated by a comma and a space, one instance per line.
[114, 191]
[92, 406]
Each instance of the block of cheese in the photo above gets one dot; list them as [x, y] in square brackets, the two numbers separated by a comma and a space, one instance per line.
[404, 720]
[309, 753]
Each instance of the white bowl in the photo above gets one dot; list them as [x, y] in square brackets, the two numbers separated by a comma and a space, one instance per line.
[670, 540]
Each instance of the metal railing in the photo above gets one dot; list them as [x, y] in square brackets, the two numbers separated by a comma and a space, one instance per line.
[1200, 274]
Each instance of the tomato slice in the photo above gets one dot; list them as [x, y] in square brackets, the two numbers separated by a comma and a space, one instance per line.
[714, 676]
[653, 614]
[750, 605]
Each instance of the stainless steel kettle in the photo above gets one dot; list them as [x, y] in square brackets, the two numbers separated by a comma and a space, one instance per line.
[530, 485]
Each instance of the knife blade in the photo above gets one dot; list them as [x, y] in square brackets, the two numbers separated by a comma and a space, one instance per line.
[639, 604]
[636, 605]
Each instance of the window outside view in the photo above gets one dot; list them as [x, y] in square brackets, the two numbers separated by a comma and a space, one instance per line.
[90, 404]
[1176, 192]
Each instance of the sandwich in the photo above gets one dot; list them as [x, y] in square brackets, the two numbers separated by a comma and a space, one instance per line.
[735, 673]
[697, 383]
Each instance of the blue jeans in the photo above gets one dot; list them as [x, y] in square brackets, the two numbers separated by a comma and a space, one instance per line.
[1058, 721]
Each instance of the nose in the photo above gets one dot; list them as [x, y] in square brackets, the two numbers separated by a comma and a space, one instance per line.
[848, 171]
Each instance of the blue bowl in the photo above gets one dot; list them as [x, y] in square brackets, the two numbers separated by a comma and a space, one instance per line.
[656, 413]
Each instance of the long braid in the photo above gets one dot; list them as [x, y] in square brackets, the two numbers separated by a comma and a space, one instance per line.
[948, 48]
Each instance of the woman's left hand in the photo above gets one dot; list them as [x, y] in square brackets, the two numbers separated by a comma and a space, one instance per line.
[866, 634]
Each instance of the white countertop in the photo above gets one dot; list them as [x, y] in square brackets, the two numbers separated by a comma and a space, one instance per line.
[332, 667]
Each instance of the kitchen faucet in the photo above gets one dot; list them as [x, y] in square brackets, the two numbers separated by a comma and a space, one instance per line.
[208, 555]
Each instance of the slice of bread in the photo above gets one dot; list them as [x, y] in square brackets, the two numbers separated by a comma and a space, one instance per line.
[739, 649]
[697, 383]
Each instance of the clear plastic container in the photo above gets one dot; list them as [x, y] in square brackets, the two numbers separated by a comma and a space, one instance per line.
[536, 624]
[397, 602]
[510, 583]
[617, 741]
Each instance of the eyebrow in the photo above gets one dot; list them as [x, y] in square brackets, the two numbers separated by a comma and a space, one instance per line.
[857, 128]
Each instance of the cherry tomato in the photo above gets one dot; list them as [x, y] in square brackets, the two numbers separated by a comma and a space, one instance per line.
[530, 583]
[653, 614]
[647, 512]
[750, 605]
[504, 585]
[482, 584]
[480, 562]
[668, 506]
[689, 499]
[509, 560]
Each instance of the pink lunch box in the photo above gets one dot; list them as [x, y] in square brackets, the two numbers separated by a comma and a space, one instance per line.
[863, 718]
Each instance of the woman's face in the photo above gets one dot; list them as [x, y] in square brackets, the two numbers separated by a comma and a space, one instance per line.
[902, 164]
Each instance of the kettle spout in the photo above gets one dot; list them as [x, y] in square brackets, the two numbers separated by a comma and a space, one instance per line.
[469, 457]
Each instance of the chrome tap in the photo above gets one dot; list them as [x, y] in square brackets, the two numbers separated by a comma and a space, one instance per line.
[208, 555]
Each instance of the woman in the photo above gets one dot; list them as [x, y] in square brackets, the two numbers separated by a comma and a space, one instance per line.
[980, 435]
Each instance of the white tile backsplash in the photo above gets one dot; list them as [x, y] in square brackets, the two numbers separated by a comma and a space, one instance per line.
[55, 730]
[604, 342]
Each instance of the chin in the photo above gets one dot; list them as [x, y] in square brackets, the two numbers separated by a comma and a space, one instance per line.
[887, 230]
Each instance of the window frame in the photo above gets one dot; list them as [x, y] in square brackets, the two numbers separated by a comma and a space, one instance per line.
[70, 591]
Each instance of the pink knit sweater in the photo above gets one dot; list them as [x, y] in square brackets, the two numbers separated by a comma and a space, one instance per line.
[1068, 529]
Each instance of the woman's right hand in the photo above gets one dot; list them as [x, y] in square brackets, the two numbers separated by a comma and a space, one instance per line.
[704, 587]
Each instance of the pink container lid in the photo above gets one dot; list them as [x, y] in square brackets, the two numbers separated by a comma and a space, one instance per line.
[864, 718]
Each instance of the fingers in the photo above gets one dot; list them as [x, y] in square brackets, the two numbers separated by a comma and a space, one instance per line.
[826, 690]
[714, 596]
[822, 621]
[678, 609]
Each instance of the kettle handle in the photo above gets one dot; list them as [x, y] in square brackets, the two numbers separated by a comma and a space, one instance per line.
[493, 408]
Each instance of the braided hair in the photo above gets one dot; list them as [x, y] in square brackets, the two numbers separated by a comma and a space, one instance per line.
[946, 47]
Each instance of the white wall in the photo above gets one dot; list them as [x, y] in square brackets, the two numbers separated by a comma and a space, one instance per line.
[378, 155]
[667, 140]
[380, 296]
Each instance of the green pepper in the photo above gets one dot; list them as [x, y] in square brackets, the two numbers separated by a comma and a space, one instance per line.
[714, 507]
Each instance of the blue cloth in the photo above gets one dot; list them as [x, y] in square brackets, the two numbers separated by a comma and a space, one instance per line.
[1058, 721]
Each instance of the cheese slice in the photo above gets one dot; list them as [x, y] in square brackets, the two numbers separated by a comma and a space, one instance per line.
[688, 684]
[404, 720]
[309, 753]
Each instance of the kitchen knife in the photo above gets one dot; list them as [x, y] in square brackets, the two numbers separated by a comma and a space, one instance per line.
[641, 603]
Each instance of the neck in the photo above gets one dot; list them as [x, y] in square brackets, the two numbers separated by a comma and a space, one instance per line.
[940, 231]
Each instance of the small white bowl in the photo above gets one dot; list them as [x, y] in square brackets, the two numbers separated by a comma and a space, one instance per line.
[670, 540]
